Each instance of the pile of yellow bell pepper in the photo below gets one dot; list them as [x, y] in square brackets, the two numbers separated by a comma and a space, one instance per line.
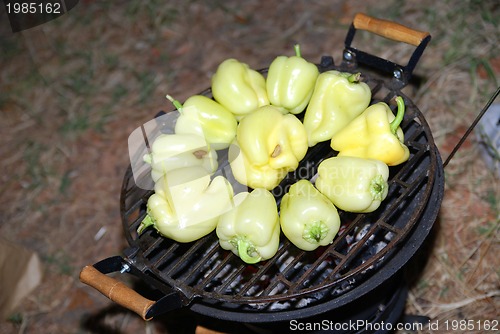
[265, 125]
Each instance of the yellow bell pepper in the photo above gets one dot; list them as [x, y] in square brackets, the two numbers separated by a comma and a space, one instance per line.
[268, 145]
[238, 87]
[173, 151]
[186, 204]
[353, 184]
[374, 134]
[337, 99]
[290, 82]
[307, 217]
[205, 117]
[251, 229]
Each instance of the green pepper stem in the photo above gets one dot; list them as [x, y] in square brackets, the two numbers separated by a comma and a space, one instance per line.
[175, 102]
[354, 78]
[244, 248]
[296, 47]
[394, 125]
[315, 232]
[377, 187]
[146, 222]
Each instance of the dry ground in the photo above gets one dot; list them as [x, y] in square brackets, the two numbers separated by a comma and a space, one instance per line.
[72, 90]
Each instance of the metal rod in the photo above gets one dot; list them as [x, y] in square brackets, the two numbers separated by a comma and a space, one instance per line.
[471, 127]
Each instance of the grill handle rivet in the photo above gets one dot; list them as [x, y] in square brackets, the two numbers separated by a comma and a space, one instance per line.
[125, 268]
[398, 73]
[348, 56]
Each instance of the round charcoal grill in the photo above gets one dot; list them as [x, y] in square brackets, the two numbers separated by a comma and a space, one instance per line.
[368, 251]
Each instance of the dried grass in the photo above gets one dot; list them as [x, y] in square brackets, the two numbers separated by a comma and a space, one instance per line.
[75, 88]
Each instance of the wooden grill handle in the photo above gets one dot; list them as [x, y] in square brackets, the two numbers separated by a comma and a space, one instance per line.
[116, 291]
[388, 29]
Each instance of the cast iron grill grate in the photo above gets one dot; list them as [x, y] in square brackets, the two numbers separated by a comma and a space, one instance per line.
[294, 277]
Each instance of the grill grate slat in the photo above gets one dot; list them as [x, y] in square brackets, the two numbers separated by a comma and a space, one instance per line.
[189, 256]
[230, 279]
[214, 271]
[154, 248]
[314, 267]
[252, 283]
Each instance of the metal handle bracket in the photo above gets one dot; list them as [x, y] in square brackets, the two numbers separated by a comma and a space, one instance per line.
[389, 30]
[95, 276]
